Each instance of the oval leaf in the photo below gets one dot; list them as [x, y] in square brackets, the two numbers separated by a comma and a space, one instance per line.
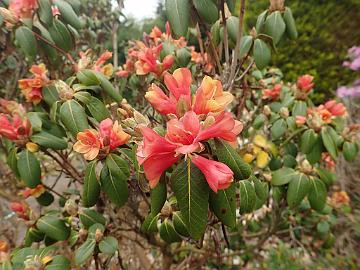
[73, 117]
[91, 189]
[48, 140]
[317, 194]
[275, 26]
[298, 189]
[108, 245]
[26, 41]
[53, 227]
[177, 12]
[97, 109]
[262, 53]
[29, 169]
[168, 233]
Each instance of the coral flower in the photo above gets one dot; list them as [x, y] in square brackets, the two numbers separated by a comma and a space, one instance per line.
[272, 94]
[217, 174]
[35, 192]
[23, 9]
[88, 143]
[336, 109]
[32, 87]
[11, 107]
[156, 154]
[112, 133]
[300, 120]
[305, 83]
[14, 128]
[21, 209]
[210, 97]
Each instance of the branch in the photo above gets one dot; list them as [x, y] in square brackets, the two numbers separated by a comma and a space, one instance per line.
[226, 44]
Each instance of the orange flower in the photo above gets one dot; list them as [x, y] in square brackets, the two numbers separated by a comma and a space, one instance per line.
[210, 97]
[201, 60]
[272, 94]
[91, 141]
[329, 162]
[32, 87]
[88, 143]
[339, 198]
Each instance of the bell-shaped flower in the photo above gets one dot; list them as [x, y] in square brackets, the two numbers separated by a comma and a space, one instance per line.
[156, 154]
[14, 127]
[161, 102]
[336, 109]
[305, 83]
[88, 143]
[218, 175]
[272, 94]
[113, 133]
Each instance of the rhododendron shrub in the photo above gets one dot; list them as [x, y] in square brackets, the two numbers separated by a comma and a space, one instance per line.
[210, 140]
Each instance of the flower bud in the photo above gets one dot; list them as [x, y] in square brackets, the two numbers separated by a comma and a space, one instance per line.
[166, 210]
[9, 17]
[306, 167]
[284, 112]
[71, 207]
[98, 235]
[141, 119]
[65, 91]
[267, 110]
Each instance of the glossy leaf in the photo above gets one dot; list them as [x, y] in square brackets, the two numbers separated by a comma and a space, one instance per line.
[45, 199]
[68, 14]
[108, 88]
[85, 251]
[168, 233]
[260, 22]
[291, 30]
[27, 42]
[87, 77]
[192, 193]
[326, 176]
[275, 26]
[300, 108]
[298, 189]
[12, 161]
[150, 223]
[317, 194]
[307, 141]
[245, 45]
[278, 129]
[207, 10]
[261, 53]
[44, 12]
[89, 217]
[158, 196]
[53, 227]
[48, 140]
[29, 169]
[108, 245]
[282, 176]
[61, 35]
[91, 189]
[50, 94]
[223, 204]
[228, 155]
[97, 109]
[177, 12]
[58, 262]
[247, 196]
[350, 150]
[329, 143]
[73, 117]
[179, 224]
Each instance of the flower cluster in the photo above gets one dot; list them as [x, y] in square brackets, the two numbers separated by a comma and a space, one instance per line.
[13, 122]
[23, 9]
[86, 62]
[272, 94]
[93, 143]
[201, 59]
[209, 97]
[304, 85]
[194, 120]
[32, 87]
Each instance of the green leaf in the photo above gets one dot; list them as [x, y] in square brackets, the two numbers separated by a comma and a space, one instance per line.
[177, 12]
[299, 109]
[114, 181]
[179, 224]
[108, 87]
[247, 196]
[48, 140]
[59, 262]
[83, 97]
[45, 199]
[327, 177]
[87, 77]
[329, 143]
[282, 176]
[27, 42]
[29, 169]
[223, 204]
[33, 235]
[291, 30]
[183, 57]
[278, 129]
[289, 161]
[50, 94]
[232, 24]
[89, 217]
[68, 14]
[192, 193]
[12, 161]
[260, 22]
[317, 194]
[108, 245]
[259, 121]
[150, 223]
[44, 12]
[85, 251]
[158, 196]
[308, 140]
[275, 26]
[315, 154]
[262, 53]
[298, 189]
[91, 188]
[228, 155]
[61, 35]
[97, 109]
[168, 233]
[6, 265]
[53, 227]
[73, 117]
[350, 150]
[245, 45]
[207, 10]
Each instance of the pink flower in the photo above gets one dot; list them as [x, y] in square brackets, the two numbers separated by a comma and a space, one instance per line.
[336, 109]
[217, 174]
[161, 102]
[55, 11]
[156, 154]
[90, 142]
[23, 9]
[272, 94]
[112, 133]
[305, 83]
[21, 209]
[14, 128]
[122, 73]
[300, 120]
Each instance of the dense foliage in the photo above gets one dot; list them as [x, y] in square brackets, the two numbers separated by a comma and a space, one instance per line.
[192, 149]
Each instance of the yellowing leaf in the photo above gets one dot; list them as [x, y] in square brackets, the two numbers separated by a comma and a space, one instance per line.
[262, 159]
[256, 150]
[248, 158]
[260, 140]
